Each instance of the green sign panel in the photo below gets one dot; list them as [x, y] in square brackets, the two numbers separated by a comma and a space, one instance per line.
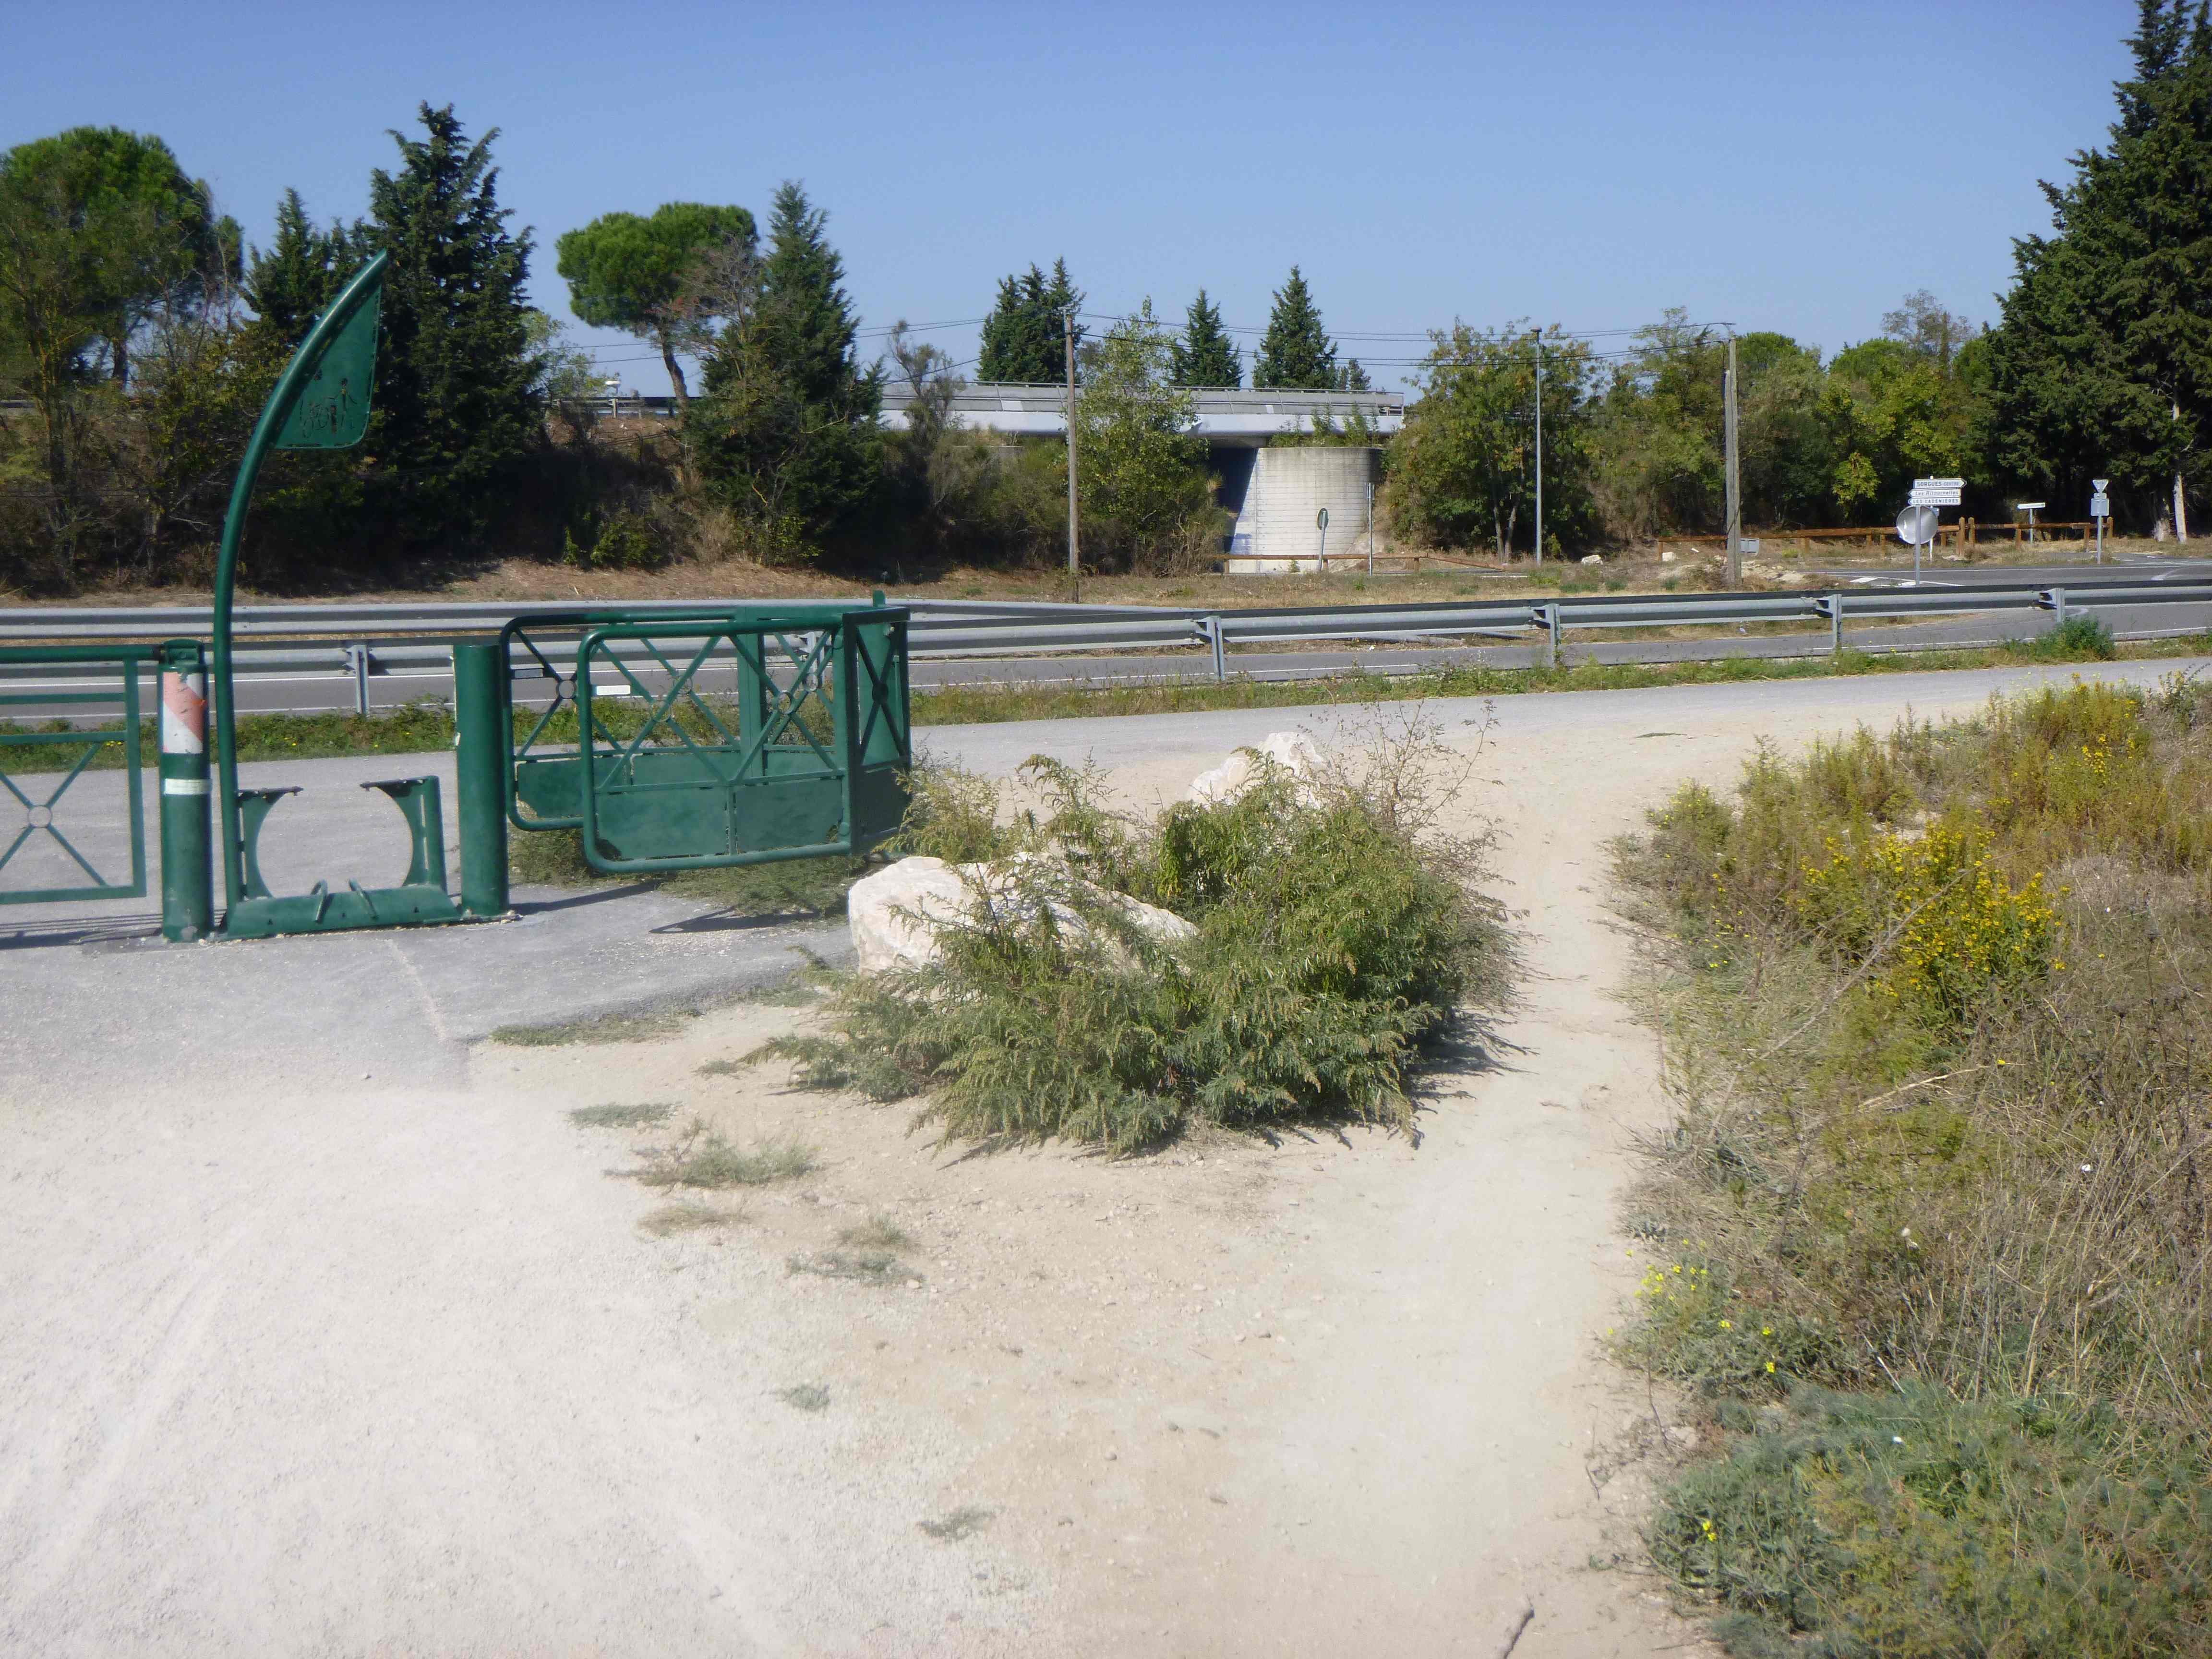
[332, 411]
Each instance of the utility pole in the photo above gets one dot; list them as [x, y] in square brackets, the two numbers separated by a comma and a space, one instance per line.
[1540, 446]
[1734, 478]
[2180, 500]
[1068, 332]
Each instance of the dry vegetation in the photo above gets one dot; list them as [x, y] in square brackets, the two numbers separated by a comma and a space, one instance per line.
[1930, 1231]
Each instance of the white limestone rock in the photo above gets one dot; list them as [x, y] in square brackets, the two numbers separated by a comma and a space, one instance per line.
[891, 914]
[1293, 752]
[896, 914]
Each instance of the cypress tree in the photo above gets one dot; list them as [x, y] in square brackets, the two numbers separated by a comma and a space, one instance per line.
[2101, 363]
[789, 423]
[455, 404]
[1296, 354]
[301, 271]
[1203, 354]
[1023, 341]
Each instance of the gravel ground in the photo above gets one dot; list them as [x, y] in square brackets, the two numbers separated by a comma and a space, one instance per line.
[356, 1343]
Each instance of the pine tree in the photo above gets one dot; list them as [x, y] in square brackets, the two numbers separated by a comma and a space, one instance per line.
[1203, 354]
[1023, 338]
[455, 399]
[1296, 354]
[2102, 363]
[789, 423]
[1354, 378]
[301, 271]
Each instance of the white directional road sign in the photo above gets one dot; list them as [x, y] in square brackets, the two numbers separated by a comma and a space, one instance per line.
[2101, 506]
[1936, 492]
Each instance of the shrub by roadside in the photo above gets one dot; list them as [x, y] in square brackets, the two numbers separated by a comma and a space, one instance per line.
[1934, 1013]
[1338, 936]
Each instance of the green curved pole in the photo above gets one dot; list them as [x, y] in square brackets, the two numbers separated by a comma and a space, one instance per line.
[273, 413]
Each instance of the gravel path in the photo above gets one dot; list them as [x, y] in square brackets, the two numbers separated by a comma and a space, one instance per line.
[301, 1361]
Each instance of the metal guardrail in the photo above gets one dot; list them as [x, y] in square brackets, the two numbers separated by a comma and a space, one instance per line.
[362, 639]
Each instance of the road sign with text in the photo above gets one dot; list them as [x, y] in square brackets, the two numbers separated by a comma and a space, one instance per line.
[1936, 492]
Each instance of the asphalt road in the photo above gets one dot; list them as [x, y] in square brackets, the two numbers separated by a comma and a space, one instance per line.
[2070, 573]
[325, 692]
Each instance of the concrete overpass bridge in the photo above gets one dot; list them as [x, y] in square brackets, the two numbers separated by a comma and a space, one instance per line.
[1227, 419]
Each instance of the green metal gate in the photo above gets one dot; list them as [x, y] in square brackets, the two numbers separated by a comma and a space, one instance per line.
[713, 738]
[37, 791]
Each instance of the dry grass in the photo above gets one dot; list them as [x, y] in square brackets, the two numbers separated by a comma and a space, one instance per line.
[615, 1116]
[868, 1266]
[704, 1158]
[596, 1029]
[963, 1522]
[1919, 1154]
[672, 1218]
[878, 1232]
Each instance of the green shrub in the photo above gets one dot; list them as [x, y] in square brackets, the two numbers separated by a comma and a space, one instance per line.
[2080, 636]
[1911, 1524]
[1332, 943]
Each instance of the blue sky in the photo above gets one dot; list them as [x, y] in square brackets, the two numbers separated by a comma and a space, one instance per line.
[1794, 167]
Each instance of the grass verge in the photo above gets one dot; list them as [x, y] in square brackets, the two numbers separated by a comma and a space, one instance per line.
[1928, 1236]
[1320, 935]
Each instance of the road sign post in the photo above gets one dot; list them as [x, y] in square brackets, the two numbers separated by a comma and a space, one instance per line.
[1915, 527]
[1930, 495]
[2031, 509]
[2100, 509]
[1321, 556]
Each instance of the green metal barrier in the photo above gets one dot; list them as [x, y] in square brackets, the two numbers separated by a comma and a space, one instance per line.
[714, 738]
[29, 791]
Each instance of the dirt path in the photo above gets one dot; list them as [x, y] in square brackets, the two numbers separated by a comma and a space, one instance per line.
[388, 1365]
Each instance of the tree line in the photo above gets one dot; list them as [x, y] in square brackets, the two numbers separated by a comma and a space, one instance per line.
[140, 334]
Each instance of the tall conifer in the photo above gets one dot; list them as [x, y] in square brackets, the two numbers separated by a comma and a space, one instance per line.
[788, 424]
[1023, 341]
[456, 402]
[1203, 354]
[2102, 363]
[1296, 354]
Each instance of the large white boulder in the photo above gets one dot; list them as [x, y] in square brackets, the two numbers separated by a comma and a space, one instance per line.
[1294, 751]
[893, 913]
[896, 914]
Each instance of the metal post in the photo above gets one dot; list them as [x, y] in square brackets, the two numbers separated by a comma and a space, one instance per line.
[1213, 639]
[1067, 331]
[1831, 607]
[481, 750]
[357, 661]
[1540, 446]
[1549, 615]
[1735, 476]
[187, 877]
[1370, 522]
[2058, 607]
